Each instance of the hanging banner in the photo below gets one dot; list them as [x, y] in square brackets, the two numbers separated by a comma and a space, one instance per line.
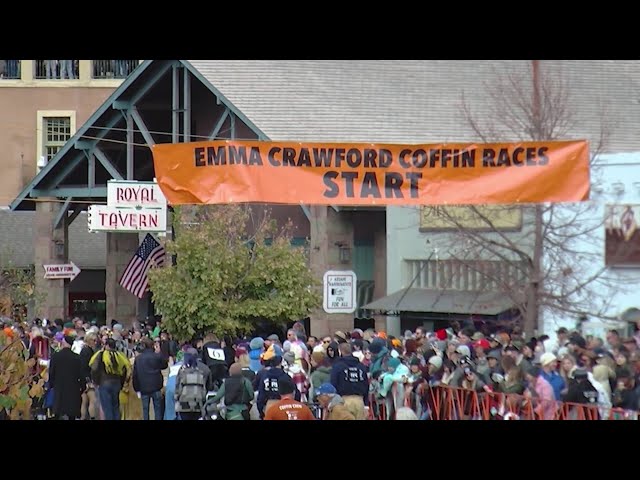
[372, 174]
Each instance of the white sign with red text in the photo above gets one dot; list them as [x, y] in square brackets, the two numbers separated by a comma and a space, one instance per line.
[103, 218]
[123, 193]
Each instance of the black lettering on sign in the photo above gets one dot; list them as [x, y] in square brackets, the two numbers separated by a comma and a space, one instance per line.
[288, 157]
[304, 160]
[199, 156]
[469, 158]
[386, 159]
[542, 158]
[254, 156]
[488, 157]
[419, 158]
[349, 177]
[339, 157]
[370, 186]
[272, 156]
[503, 158]
[332, 187]
[322, 157]
[237, 155]
[402, 161]
[369, 158]
[413, 178]
[517, 161]
[434, 157]
[392, 185]
[216, 158]
[531, 156]
[354, 158]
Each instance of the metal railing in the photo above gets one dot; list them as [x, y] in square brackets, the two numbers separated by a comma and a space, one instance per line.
[10, 69]
[56, 69]
[101, 69]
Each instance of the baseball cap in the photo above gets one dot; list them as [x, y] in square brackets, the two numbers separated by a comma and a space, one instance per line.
[326, 389]
[483, 343]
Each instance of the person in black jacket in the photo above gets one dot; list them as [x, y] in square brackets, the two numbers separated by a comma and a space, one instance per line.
[148, 379]
[88, 407]
[213, 357]
[67, 382]
[349, 376]
[268, 378]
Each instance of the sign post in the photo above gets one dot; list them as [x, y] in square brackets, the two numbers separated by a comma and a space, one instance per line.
[61, 272]
[339, 291]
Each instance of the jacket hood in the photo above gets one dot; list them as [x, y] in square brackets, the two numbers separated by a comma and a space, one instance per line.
[254, 354]
[350, 360]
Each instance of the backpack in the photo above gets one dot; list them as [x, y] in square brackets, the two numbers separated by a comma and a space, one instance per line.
[193, 390]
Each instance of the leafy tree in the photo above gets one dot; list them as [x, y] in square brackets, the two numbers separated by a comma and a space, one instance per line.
[17, 291]
[233, 267]
[16, 386]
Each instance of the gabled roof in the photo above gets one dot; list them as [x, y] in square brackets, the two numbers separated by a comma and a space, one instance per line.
[411, 101]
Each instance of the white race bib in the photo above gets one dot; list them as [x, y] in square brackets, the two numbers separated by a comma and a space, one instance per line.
[216, 353]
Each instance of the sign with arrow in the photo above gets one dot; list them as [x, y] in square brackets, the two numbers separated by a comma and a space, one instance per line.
[61, 272]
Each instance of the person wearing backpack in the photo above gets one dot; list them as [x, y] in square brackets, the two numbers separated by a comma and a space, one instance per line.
[191, 387]
[148, 379]
[237, 392]
[110, 370]
[214, 357]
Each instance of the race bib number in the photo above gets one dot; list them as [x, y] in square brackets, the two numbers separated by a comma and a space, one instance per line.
[216, 354]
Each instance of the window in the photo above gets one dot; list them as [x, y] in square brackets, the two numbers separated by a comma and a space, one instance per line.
[55, 128]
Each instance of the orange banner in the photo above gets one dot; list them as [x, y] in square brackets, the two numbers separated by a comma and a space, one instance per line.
[372, 174]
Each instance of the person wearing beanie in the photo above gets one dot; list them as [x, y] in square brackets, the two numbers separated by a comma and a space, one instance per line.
[379, 352]
[286, 407]
[396, 372]
[256, 346]
[332, 352]
[268, 378]
[329, 399]
[238, 394]
[65, 378]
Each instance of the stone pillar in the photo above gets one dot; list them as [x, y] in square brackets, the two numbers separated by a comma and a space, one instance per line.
[122, 305]
[328, 227]
[50, 247]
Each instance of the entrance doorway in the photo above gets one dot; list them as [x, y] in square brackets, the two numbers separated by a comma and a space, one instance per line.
[89, 306]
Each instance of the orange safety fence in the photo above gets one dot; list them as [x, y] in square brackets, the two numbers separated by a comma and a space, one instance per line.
[452, 403]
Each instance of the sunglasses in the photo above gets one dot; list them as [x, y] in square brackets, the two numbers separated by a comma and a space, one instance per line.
[326, 341]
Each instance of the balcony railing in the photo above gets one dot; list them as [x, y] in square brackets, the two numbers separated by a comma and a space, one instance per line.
[10, 69]
[56, 69]
[112, 68]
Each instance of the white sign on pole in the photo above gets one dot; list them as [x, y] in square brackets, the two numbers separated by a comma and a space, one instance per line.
[60, 272]
[339, 291]
[103, 218]
[123, 193]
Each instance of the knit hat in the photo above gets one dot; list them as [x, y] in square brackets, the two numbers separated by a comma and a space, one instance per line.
[441, 334]
[356, 335]
[241, 351]
[463, 350]
[286, 386]
[376, 346]
[478, 336]
[414, 361]
[393, 363]
[256, 343]
[436, 361]
[482, 343]
[286, 346]
[289, 357]
[318, 348]
[382, 335]
[396, 343]
[235, 369]
[272, 352]
[273, 337]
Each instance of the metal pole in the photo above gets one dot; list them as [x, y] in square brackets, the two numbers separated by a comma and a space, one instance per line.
[130, 146]
[175, 106]
[186, 105]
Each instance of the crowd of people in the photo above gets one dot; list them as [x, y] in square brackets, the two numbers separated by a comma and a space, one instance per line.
[115, 373]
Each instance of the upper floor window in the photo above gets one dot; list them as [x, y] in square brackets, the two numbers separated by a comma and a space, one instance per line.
[57, 132]
[10, 69]
[57, 69]
[55, 128]
[113, 68]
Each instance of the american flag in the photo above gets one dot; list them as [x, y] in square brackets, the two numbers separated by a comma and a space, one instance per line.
[149, 254]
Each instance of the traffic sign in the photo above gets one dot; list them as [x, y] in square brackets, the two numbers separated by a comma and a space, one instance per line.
[339, 291]
[60, 272]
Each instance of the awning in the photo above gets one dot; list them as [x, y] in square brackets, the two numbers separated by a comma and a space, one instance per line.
[443, 301]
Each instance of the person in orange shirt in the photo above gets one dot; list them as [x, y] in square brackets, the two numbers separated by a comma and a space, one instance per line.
[288, 408]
